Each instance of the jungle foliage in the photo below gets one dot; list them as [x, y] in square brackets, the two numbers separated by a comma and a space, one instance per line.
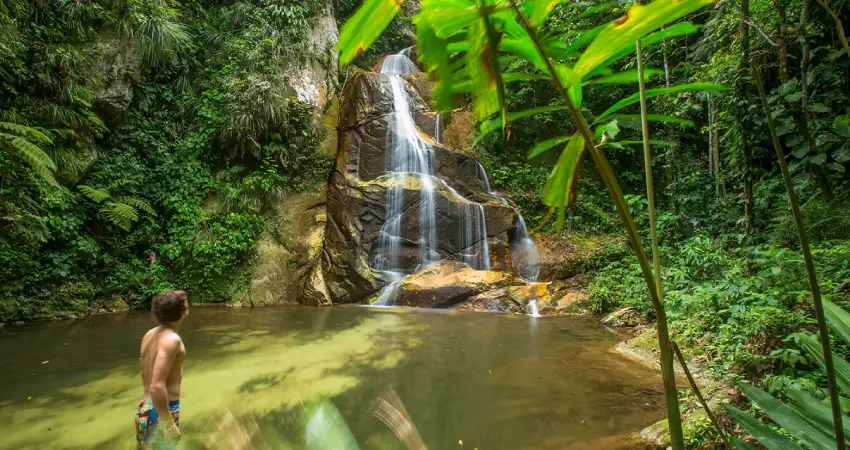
[102, 203]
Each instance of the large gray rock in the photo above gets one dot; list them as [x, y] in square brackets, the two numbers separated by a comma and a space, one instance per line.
[120, 63]
[357, 200]
[356, 213]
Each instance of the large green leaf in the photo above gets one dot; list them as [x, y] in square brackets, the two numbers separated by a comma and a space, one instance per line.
[479, 66]
[635, 98]
[638, 21]
[628, 77]
[434, 56]
[791, 419]
[542, 147]
[510, 77]
[325, 428]
[654, 118]
[493, 125]
[839, 319]
[365, 26]
[767, 437]
[560, 187]
[811, 345]
[448, 17]
[816, 413]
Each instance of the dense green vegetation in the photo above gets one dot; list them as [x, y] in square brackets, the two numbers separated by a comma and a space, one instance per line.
[739, 275]
[100, 203]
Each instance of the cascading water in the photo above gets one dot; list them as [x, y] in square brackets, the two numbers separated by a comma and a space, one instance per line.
[412, 156]
[532, 306]
[523, 249]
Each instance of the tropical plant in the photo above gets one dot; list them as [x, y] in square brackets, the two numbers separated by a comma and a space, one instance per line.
[24, 139]
[465, 45]
[122, 211]
[807, 421]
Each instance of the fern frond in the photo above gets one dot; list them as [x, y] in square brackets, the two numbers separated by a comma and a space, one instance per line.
[137, 203]
[120, 214]
[120, 182]
[23, 130]
[95, 195]
[39, 161]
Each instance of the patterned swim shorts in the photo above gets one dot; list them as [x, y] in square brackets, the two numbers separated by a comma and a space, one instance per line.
[148, 434]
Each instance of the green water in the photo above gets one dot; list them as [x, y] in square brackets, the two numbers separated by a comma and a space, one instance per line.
[491, 381]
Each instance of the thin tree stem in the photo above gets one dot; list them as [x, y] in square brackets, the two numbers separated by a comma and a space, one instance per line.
[839, 28]
[674, 417]
[647, 164]
[823, 332]
[701, 399]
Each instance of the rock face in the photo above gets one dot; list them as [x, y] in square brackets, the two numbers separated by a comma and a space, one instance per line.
[121, 62]
[357, 206]
[287, 250]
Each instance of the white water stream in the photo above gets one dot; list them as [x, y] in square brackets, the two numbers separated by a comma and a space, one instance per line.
[412, 156]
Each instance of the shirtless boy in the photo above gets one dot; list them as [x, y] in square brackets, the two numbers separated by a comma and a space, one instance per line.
[162, 372]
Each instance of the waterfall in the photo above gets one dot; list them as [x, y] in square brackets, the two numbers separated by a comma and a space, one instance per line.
[532, 305]
[524, 253]
[411, 156]
[438, 129]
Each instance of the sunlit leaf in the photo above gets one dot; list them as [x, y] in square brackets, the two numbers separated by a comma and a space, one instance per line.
[638, 21]
[510, 77]
[767, 437]
[448, 17]
[479, 65]
[493, 125]
[657, 142]
[654, 118]
[611, 129]
[788, 417]
[628, 77]
[542, 147]
[365, 26]
[434, 57]
[635, 98]
[562, 182]
[839, 319]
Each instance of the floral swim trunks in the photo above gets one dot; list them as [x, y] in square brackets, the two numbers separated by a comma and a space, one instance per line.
[148, 434]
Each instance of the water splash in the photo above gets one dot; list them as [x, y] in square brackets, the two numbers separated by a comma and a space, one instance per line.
[524, 253]
[532, 305]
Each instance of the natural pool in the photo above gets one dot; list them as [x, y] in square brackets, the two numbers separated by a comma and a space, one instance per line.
[487, 381]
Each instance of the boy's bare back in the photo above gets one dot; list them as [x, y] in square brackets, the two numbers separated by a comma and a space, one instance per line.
[164, 344]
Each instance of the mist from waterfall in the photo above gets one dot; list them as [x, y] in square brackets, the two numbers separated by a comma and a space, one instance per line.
[412, 156]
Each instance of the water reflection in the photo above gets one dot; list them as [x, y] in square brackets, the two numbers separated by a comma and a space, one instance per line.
[492, 381]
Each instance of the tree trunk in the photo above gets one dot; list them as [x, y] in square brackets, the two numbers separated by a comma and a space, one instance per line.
[800, 123]
[782, 44]
[744, 100]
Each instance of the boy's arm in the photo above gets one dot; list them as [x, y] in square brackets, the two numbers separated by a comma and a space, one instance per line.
[159, 378]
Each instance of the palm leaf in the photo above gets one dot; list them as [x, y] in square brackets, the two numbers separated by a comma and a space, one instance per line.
[794, 420]
[766, 436]
[811, 345]
[839, 319]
